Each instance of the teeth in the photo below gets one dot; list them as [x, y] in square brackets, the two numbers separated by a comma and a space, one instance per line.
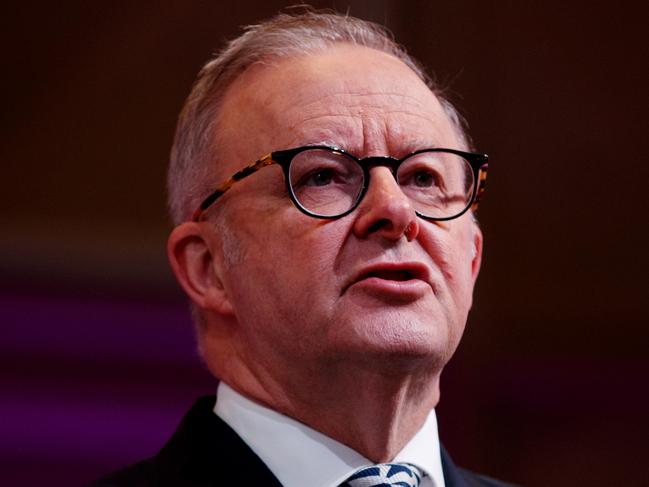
[392, 275]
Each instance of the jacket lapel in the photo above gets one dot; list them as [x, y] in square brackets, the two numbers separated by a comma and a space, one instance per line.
[452, 476]
[204, 451]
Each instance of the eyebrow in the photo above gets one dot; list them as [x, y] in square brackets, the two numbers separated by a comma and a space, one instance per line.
[418, 144]
[404, 149]
[330, 143]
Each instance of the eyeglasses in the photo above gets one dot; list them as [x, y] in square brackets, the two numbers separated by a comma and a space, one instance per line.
[327, 182]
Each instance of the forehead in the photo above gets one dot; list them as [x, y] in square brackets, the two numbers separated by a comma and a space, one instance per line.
[360, 99]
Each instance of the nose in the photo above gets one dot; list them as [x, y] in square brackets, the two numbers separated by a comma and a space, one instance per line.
[385, 210]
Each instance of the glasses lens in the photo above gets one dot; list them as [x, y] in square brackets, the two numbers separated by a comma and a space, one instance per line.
[439, 184]
[325, 182]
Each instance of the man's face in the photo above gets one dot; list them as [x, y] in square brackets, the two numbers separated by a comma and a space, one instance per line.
[310, 293]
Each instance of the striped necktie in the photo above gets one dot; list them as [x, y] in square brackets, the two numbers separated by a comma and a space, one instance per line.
[385, 475]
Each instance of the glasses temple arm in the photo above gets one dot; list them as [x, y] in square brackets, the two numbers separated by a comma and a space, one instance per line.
[482, 183]
[221, 189]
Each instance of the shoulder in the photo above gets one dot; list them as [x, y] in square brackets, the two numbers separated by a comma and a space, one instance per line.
[204, 451]
[460, 477]
[476, 480]
[137, 475]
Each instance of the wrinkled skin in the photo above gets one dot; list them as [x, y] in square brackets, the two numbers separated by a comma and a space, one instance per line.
[290, 319]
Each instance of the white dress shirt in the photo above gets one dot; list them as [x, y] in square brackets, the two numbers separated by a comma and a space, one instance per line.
[299, 456]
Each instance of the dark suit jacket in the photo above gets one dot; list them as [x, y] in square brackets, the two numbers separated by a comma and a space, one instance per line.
[204, 451]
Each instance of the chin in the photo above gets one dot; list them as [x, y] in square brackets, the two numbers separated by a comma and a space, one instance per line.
[398, 338]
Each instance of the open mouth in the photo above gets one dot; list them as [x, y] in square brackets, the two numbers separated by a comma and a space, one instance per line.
[394, 278]
[391, 275]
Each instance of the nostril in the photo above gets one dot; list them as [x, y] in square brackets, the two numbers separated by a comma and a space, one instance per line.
[379, 224]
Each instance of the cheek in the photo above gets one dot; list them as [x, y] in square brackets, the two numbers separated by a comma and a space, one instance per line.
[450, 250]
[309, 255]
[286, 252]
[459, 269]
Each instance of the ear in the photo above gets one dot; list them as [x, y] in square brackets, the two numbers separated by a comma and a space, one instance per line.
[196, 259]
[476, 254]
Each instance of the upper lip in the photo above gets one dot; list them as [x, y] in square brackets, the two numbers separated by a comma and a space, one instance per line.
[413, 270]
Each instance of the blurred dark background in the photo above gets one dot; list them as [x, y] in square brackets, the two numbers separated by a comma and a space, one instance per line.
[97, 359]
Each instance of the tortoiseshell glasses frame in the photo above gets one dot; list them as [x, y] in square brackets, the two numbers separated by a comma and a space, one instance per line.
[477, 162]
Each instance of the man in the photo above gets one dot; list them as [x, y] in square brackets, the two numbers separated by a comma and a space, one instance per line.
[331, 279]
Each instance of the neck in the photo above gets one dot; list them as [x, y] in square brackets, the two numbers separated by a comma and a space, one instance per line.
[373, 414]
[374, 410]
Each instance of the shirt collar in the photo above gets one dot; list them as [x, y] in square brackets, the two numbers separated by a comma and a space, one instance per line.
[299, 455]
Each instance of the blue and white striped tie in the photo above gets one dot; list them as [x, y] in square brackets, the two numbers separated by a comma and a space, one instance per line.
[385, 475]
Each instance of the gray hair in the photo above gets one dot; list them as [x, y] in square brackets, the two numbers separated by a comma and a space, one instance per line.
[285, 35]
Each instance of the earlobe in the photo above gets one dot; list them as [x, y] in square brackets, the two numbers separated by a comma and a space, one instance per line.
[476, 253]
[195, 259]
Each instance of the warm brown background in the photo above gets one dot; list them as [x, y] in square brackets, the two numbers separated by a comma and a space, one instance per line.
[550, 385]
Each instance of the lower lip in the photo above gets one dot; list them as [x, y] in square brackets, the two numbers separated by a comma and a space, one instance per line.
[409, 290]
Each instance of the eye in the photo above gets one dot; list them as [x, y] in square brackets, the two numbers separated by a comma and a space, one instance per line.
[321, 177]
[420, 177]
[424, 179]
[320, 169]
